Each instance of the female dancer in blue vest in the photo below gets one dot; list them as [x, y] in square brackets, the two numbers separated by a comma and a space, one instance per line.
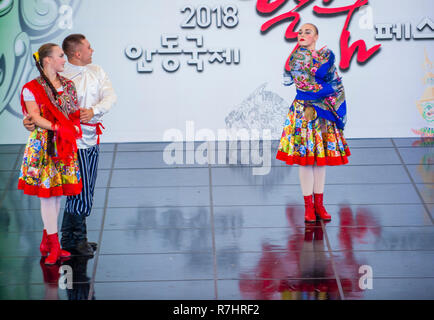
[313, 132]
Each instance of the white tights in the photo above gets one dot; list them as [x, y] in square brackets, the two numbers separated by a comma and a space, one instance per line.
[50, 212]
[312, 179]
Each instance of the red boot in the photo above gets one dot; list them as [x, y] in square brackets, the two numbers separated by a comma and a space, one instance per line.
[55, 251]
[45, 247]
[44, 244]
[309, 213]
[319, 207]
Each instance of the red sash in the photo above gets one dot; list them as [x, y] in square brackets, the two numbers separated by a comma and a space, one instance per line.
[66, 136]
[98, 126]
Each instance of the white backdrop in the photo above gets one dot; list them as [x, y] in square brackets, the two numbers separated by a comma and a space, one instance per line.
[381, 94]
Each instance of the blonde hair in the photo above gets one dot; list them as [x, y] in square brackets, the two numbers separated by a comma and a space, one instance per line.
[45, 51]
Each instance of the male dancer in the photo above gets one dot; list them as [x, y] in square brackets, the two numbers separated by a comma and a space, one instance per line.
[96, 97]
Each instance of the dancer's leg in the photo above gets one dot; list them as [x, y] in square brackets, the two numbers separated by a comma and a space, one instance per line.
[58, 199]
[49, 214]
[319, 173]
[57, 209]
[77, 208]
[306, 180]
[319, 176]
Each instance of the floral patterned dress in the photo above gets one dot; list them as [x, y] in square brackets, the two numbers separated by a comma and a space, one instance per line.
[43, 175]
[319, 141]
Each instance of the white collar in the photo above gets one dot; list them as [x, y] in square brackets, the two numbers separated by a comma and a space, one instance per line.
[75, 67]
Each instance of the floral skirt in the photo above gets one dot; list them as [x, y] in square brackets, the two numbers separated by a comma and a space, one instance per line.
[306, 142]
[45, 176]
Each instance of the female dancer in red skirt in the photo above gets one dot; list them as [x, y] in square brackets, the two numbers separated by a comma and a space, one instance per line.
[50, 167]
[313, 133]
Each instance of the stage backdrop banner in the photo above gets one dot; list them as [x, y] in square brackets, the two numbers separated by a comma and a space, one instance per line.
[191, 68]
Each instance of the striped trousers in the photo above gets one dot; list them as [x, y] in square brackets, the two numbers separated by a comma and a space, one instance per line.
[82, 204]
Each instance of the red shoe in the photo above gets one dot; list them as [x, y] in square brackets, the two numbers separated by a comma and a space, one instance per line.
[309, 213]
[45, 247]
[55, 251]
[44, 244]
[64, 253]
[319, 207]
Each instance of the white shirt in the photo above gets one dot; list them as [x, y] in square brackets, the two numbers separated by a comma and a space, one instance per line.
[94, 90]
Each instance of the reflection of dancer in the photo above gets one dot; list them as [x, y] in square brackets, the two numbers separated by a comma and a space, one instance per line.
[96, 97]
[51, 277]
[77, 283]
[81, 282]
[302, 270]
[315, 269]
[50, 167]
[313, 132]
[313, 253]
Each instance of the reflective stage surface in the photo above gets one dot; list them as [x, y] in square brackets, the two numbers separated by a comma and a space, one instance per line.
[199, 231]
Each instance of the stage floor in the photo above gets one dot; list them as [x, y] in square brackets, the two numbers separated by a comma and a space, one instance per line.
[199, 231]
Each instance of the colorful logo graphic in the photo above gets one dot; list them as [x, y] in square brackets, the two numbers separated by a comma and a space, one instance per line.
[425, 105]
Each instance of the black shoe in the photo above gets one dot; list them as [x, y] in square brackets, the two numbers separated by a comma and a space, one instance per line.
[84, 249]
[94, 245]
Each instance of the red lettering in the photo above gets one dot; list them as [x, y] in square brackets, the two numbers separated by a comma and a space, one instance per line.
[347, 50]
[264, 6]
[290, 31]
